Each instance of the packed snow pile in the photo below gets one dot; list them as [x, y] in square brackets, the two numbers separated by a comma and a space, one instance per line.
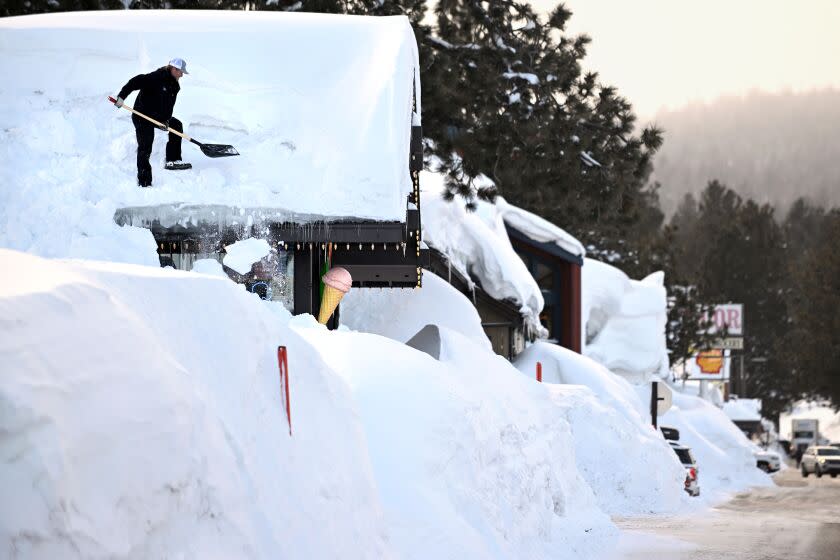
[477, 245]
[828, 417]
[628, 464]
[400, 314]
[624, 321]
[724, 454]
[324, 133]
[142, 419]
[472, 459]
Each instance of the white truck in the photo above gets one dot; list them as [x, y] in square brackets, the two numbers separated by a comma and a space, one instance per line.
[803, 432]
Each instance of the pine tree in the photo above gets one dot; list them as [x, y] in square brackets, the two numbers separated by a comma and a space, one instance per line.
[27, 7]
[504, 96]
[813, 236]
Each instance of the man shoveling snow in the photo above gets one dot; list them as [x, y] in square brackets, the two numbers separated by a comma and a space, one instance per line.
[158, 91]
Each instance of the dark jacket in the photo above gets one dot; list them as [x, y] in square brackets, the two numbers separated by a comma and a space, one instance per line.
[158, 91]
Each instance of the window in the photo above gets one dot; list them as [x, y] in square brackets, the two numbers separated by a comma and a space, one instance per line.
[685, 455]
[829, 452]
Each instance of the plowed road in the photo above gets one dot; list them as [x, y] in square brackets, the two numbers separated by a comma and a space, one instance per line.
[797, 519]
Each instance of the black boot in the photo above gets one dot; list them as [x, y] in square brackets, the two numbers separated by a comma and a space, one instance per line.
[177, 165]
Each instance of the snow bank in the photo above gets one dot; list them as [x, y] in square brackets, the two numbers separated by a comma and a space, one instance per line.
[828, 418]
[142, 419]
[324, 133]
[400, 314]
[477, 245]
[625, 321]
[630, 467]
[724, 454]
[472, 460]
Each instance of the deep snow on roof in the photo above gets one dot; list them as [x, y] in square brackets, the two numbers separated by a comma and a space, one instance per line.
[743, 409]
[319, 106]
[539, 229]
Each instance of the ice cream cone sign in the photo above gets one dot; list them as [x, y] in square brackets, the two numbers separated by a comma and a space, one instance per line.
[337, 282]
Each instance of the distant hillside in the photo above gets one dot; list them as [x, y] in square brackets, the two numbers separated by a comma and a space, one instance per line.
[770, 147]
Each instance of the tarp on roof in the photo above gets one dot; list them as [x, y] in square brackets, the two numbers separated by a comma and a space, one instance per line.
[320, 107]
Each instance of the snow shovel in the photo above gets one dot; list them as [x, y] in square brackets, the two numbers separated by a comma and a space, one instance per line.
[210, 150]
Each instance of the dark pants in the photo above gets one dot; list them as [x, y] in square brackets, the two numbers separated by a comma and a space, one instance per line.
[145, 137]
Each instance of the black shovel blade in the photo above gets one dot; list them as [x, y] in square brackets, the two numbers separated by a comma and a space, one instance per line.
[218, 150]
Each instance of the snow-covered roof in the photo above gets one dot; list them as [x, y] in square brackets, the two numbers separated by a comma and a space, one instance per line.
[319, 106]
[477, 245]
[743, 409]
[539, 229]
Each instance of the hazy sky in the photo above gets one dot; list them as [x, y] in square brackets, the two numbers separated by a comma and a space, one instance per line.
[667, 53]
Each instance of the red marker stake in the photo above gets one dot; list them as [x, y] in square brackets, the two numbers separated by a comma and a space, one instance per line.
[283, 364]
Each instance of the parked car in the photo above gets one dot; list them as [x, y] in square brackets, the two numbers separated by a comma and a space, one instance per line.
[670, 433]
[768, 461]
[692, 485]
[820, 460]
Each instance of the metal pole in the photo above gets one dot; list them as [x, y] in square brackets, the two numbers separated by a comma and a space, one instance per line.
[654, 401]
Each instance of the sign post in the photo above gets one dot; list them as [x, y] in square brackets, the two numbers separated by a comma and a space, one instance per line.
[661, 398]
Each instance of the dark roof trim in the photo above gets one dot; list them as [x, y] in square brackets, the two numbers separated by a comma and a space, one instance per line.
[338, 231]
[518, 238]
[439, 264]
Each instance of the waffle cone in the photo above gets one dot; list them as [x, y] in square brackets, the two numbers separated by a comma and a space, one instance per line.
[329, 301]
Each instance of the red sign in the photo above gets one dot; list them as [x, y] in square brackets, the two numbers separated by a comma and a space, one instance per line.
[728, 317]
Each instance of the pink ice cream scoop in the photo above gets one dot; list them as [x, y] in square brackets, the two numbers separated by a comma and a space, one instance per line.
[339, 279]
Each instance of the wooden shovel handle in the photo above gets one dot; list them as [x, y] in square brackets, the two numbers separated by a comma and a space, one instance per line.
[151, 120]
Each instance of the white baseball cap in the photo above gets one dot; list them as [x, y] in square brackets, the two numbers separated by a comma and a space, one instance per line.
[179, 64]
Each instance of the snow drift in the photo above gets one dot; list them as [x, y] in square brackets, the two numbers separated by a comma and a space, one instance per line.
[142, 419]
[400, 314]
[628, 464]
[472, 459]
